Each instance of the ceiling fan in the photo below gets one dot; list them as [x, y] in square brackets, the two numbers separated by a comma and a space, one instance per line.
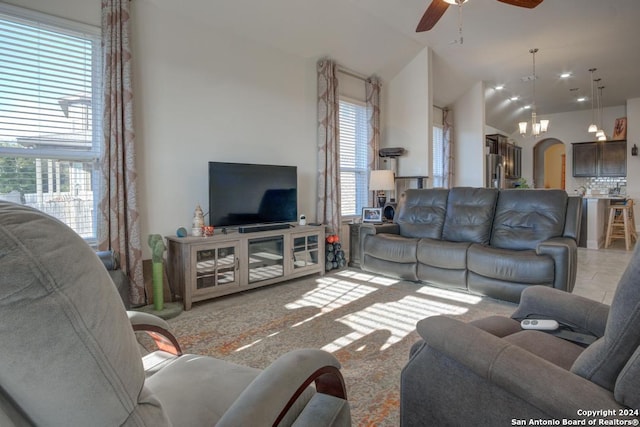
[437, 8]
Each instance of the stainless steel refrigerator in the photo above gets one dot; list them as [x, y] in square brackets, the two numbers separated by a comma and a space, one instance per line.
[495, 177]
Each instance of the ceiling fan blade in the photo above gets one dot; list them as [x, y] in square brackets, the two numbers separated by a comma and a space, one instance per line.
[432, 15]
[529, 4]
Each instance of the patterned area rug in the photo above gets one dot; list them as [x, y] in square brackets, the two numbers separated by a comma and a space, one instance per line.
[366, 321]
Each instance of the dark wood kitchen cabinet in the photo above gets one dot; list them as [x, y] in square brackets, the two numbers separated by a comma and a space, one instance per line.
[602, 158]
[511, 154]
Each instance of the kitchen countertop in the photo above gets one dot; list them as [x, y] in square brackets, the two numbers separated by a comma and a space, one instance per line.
[605, 196]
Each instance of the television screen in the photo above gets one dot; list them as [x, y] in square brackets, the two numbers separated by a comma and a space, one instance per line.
[241, 193]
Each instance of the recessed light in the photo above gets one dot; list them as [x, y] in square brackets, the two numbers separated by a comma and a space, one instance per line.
[499, 87]
[514, 98]
[565, 75]
[582, 99]
[527, 107]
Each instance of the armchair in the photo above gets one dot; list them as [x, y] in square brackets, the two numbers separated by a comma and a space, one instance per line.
[70, 356]
[491, 372]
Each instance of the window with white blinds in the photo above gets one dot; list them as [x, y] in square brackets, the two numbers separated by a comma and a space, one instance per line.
[438, 148]
[438, 156]
[353, 156]
[50, 110]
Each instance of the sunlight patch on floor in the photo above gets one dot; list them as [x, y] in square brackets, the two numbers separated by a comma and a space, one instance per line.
[331, 294]
[364, 277]
[450, 295]
[399, 318]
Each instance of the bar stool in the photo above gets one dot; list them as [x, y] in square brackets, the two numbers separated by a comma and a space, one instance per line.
[621, 223]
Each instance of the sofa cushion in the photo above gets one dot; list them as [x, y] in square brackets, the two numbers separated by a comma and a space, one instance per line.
[469, 214]
[511, 266]
[443, 254]
[525, 218]
[421, 213]
[391, 247]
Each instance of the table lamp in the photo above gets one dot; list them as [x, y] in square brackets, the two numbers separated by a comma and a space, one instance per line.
[381, 181]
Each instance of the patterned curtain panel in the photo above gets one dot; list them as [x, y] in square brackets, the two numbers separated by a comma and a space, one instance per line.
[449, 173]
[372, 93]
[328, 206]
[119, 228]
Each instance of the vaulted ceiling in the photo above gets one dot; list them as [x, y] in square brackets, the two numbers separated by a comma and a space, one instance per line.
[378, 36]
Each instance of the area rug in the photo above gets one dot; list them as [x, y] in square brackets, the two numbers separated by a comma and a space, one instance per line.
[366, 321]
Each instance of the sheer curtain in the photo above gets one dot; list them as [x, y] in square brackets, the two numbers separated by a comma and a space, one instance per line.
[372, 93]
[328, 206]
[119, 224]
[449, 173]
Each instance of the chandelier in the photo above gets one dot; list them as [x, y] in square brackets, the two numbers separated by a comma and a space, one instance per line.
[537, 127]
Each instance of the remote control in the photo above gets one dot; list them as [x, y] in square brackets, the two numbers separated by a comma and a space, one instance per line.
[540, 324]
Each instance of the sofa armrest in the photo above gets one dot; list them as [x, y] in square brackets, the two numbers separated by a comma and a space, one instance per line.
[578, 312]
[371, 229]
[274, 391]
[534, 380]
[564, 252]
[157, 328]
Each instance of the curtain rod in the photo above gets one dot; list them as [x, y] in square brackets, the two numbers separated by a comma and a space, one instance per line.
[351, 73]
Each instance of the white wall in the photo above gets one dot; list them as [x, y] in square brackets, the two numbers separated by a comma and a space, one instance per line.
[407, 118]
[204, 96]
[633, 162]
[468, 138]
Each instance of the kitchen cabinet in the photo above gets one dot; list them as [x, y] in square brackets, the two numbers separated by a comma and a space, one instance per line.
[602, 158]
[511, 154]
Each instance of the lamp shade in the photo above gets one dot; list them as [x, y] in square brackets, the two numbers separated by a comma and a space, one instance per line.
[381, 180]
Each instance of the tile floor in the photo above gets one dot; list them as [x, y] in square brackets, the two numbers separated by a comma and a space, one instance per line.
[600, 270]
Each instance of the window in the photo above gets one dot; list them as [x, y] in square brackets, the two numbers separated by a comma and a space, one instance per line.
[50, 110]
[438, 156]
[354, 147]
[438, 149]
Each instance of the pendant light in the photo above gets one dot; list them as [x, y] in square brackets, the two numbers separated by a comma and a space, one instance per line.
[593, 127]
[600, 134]
[542, 125]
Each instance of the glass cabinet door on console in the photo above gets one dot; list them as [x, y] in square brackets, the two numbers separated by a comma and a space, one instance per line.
[215, 266]
[306, 251]
[266, 258]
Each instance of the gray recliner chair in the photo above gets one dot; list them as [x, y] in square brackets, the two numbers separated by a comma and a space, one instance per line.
[491, 371]
[69, 354]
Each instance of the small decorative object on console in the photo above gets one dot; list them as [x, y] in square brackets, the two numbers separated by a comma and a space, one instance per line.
[198, 222]
[207, 230]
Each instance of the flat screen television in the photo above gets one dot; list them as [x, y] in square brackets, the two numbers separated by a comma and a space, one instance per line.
[242, 193]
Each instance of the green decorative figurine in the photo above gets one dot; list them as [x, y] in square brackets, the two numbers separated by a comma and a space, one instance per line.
[157, 250]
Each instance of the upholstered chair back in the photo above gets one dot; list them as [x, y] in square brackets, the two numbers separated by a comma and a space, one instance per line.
[525, 218]
[421, 213]
[470, 215]
[69, 355]
[613, 361]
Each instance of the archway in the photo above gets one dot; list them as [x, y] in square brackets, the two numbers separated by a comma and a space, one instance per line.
[549, 164]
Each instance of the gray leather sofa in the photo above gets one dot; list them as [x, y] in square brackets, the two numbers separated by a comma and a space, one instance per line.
[486, 241]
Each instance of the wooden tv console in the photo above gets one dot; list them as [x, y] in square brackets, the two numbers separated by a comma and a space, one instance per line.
[207, 267]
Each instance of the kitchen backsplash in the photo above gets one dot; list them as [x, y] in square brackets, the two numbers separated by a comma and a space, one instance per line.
[602, 185]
